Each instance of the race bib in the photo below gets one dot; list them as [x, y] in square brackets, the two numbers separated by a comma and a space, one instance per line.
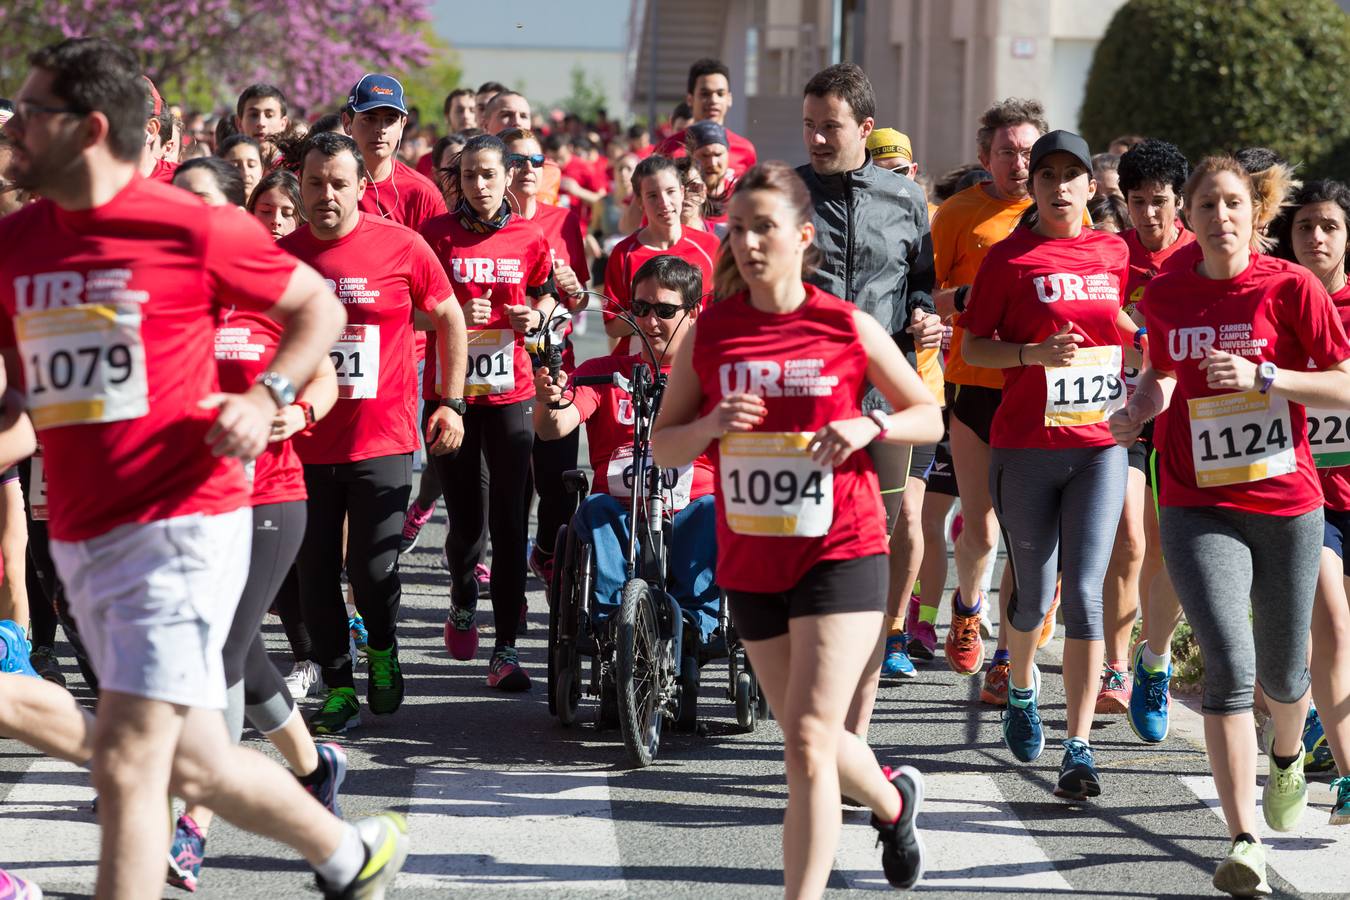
[1086, 392]
[37, 488]
[492, 363]
[83, 364]
[771, 487]
[356, 356]
[1329, 437]
[1238, 438]
[1131, 381]
[676, 483]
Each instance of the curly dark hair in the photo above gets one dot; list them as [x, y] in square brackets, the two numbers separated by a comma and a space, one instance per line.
[1322, 191]
[1153, 162]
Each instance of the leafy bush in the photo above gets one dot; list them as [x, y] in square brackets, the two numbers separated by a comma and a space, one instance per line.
[1218, 76]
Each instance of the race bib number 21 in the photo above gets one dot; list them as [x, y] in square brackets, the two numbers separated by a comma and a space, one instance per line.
[83, 364]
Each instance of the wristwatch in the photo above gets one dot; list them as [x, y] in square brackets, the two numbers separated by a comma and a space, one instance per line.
[883, 422]
[1265, 374]
[307, 409]
[279, 386]
[456, 403]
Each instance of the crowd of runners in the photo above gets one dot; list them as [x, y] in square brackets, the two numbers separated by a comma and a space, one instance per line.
[226, 340]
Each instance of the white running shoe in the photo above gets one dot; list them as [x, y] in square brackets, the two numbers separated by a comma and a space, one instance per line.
[304, 678]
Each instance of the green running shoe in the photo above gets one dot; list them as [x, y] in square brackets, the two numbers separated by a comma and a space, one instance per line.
[385, 838]
[1340, 807]
[340, 711]
[384, 690]
[1285, 795]
[1243, 873]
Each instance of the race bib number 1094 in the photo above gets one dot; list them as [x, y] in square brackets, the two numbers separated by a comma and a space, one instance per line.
[771, 487]
[83, 364]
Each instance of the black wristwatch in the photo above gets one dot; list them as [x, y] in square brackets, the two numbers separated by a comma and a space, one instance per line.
[456, 403]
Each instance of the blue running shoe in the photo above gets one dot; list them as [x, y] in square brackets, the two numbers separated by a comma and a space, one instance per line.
[1316, 749]
[1340, 807]
[1077, 775]
[897, 662]
[1022, 722]
[332, 772]
[1149, 700]
[186, 855]
[357, 626]
[15, 650]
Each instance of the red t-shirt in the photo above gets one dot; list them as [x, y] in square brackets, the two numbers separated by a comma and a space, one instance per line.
[380, 271]
[406, 197]
[590, 177]
[740, 152]
[506, 261]
[115, 309]
[1244, 451]
[1329, 434]
[163, 171]
[245, 344]
[1027, 288]
[1145, 264]
[567, 244]
[426, 167]
[608, 414]
[1185, 258]
[696, 247]
[778, 513]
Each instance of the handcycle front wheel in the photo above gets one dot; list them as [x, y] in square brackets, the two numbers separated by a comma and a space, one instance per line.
[564, 669]
[640, 667]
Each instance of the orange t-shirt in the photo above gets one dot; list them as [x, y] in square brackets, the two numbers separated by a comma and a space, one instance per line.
[964, 229]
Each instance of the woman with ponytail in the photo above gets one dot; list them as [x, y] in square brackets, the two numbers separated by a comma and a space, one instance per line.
[1231, 340]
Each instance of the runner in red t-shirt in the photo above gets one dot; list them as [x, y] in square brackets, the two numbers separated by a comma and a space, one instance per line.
[707, 144]
[1314, 231]
[581, 184]
[657, 185]
[667, 299]
[152, 543]
[770, 386]
[1053, 293]
[499, 265]
[709, 97]
[375, 117]
[358, 460]
[1242, 507]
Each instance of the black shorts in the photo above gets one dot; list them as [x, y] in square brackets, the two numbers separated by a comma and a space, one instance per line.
[921, 461]
[1137, 456]
[829, 587]
[941, 476]
[974, 407]
[1335, 530]
[10, 474]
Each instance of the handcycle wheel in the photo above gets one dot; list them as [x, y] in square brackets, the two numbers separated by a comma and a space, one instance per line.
[686, 719]
[639, 667]
[564, 677]
[747, 706]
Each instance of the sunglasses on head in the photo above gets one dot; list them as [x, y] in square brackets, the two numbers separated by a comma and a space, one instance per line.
[519, 159]
[643, 308]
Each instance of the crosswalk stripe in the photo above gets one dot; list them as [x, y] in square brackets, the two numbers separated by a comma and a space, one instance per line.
[513, 830]
[960, 812]
[1314, 857]
[47, 829]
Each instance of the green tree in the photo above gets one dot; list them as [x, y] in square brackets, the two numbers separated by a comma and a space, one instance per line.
[586, 99]
[1218, 76]
[426, 86]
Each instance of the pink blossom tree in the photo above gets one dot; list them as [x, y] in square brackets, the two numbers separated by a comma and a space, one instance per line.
[208, 50]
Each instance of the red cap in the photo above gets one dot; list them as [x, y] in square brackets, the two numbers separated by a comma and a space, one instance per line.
[156, 100]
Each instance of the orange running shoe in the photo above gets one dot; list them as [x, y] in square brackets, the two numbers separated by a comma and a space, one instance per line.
[964, 646]
[1048, 626]
[1114, 696]
[995, 689]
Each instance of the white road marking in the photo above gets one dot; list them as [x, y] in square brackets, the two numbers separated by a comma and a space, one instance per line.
[959, 810]
[513, 831]
[48, 831]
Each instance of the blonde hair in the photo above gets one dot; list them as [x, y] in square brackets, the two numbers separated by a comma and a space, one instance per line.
[1270, 190]
[782, 179]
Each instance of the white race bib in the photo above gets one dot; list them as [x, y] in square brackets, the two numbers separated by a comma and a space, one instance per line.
[37, 488]
[771, 487]
[676, 483]
[492, 363]
[1086, 392]
[1238, 438]
[83, 364]
[356, 356]
[1329, 437]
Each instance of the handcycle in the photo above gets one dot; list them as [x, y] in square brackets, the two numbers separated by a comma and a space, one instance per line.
[646, 657]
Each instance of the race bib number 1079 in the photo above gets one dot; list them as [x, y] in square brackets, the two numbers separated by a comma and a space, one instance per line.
[83, 364]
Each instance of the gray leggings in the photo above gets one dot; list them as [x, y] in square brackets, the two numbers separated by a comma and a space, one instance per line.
[1217, 558]
[1047, 497]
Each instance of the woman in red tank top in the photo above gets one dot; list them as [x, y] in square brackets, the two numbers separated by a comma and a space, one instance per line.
[770, 386]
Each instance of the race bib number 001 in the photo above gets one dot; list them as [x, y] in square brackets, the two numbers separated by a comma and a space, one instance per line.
[356, 356]
[676, 483]
[1086, 392]
[771, 487]
[492, 363]
[1329, 437]
[1239, 438]
[83, 364]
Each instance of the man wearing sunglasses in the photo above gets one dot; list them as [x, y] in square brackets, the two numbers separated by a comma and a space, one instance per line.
[667, 295]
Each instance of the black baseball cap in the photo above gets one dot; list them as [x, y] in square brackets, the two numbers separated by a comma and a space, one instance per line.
[1060, 142]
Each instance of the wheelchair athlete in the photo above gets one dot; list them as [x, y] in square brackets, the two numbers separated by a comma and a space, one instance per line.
[667, 295]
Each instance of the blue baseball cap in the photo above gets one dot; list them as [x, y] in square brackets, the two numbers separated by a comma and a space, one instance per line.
[374, 91]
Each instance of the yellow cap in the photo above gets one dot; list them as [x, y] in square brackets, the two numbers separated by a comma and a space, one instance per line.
[887, 143]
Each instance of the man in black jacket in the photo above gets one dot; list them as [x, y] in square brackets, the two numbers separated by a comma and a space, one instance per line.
[872, 232]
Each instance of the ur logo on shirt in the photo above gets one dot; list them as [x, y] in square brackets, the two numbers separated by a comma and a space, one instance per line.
[1068, 286]
[479, 270]
[54, 290]
[767, 378]
[1190, 343]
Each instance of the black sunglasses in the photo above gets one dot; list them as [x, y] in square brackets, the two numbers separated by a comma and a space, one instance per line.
[519, 159]
[667, 311]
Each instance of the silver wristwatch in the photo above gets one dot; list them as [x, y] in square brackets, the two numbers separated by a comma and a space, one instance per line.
[279, 386]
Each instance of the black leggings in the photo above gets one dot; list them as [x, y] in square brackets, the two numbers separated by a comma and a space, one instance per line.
[372, 495]
[505, 436]
[278, 529]
[550, 460]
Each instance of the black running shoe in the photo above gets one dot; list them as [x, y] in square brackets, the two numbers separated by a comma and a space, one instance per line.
[902, 850]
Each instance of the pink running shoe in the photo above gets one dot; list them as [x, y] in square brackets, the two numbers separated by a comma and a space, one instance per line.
[461, 634]
[12, 887]
[922, 635]
[413, 521]
[505, 673]
[484, 576]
